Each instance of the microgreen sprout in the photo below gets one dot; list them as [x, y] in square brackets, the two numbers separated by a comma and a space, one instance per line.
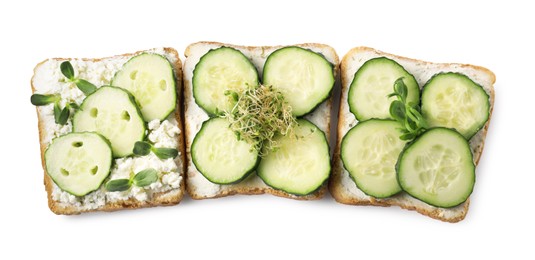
[140, 179]
[406, 113]
[259, 114]
[68, 71]
[144, 148]
[60, 115]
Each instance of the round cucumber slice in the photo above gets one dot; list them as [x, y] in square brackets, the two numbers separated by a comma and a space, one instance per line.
[112, 112]
[438, 168]
[78, 162]
[216, 72]
[300, 165]
[149, 77]
[304, 77]
[219, 155]
[373, 82]
[453, 100]
[370, 151]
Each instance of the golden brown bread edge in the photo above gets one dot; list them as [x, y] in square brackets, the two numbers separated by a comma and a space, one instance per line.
[335, 182]
[159, 199]
[244, 188]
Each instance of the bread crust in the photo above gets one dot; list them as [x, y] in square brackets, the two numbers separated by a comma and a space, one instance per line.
[342, 195]
[167, 198]
[251, 185]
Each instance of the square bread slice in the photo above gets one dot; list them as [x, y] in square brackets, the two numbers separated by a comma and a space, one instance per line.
[197, 185]
[170, 187]
[342, 187]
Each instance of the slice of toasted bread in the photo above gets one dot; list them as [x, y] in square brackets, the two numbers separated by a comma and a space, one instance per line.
[48, 79]
[343, 189]
[197, 185]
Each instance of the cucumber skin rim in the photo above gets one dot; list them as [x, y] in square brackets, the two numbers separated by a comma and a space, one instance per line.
[321, 184]
[131, 98]
[408, 146]
[173, 73]
[458, 74]
[211, 113]
[112, 162]
[355, 76]
[245, 175]
[312, 52]
[349, 173]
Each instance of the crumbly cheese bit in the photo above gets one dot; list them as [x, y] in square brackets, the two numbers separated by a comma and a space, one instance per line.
[164, 134]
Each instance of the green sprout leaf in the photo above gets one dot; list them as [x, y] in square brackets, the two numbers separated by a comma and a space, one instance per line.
[142, 148]
[67, 70]
[397, 110]
[407, 136]
[407, 114]
[57, 112]
[145, 177]
[165, 153]
[85, 86]
[63, 116]
[392, 95]
[73, 106]
[401, 89]
[42, 100]
[118, 185]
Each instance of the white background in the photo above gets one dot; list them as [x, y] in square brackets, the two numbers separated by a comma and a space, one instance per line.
[497, 36]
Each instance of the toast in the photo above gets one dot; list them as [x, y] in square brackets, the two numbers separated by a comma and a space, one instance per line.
[342, 187]
[170, 187]
[197, 185]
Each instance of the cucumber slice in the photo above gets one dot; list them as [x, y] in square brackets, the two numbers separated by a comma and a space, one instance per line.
[370, 151]
[220, 70]
[78, 162]
[149, 77]
[219, 155]
[438, 168]
[304, 77]
[453, 100]
[301, 165]
[367, 96]
[112, 112]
